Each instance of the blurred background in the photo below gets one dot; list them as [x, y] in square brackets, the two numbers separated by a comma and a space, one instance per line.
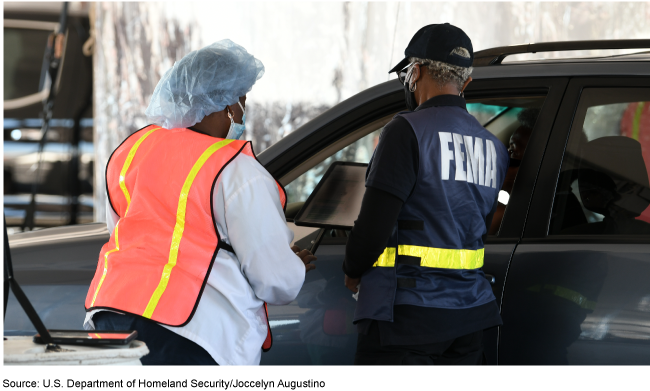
[316, 55]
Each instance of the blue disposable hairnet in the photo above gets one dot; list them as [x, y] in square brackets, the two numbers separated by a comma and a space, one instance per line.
[203, 82]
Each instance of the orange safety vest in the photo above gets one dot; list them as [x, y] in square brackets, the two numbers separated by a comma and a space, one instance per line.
[159, 256]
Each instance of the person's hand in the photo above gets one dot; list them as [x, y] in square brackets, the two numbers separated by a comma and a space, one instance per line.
[351, 283]
[306, 257]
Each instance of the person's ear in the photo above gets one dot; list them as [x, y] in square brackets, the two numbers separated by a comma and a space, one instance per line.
[416, 74]
[469, 79]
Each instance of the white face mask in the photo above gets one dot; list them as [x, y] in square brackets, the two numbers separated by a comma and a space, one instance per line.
[236, 130]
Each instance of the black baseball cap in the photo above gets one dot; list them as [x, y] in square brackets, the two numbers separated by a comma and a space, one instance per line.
[436, 42]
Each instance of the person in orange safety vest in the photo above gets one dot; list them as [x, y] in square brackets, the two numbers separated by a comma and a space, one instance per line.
[199, 244]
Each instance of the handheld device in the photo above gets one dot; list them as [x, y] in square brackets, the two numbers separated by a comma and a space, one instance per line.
[336, 201]
[89, 337]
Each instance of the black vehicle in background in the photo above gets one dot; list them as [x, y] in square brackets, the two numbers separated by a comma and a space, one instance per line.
[568, 252]
[65, 184]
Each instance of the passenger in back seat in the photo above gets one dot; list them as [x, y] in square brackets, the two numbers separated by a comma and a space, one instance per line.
[613, 182]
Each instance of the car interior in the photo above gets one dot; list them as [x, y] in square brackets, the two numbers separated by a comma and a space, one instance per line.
[501, 116]
[603, 187]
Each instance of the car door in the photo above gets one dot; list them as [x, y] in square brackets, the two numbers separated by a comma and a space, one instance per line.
[317, 327]
[54, 268]
[578, 290]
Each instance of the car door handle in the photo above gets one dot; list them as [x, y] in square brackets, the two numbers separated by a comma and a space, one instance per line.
[490, 278]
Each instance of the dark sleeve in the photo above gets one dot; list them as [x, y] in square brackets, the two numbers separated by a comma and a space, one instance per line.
[372, 229]
[394, 166]
[489, 217]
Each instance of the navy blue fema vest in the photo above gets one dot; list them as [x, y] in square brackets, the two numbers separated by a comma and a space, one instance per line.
[435, 253]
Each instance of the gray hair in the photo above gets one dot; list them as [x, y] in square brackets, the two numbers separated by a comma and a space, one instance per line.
[444, 73]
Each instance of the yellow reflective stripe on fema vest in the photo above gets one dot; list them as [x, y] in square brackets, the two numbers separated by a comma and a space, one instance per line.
[125, 168]
[444, 258]
[441, 258]
[387, 258]
[180, 226]
[565, 293]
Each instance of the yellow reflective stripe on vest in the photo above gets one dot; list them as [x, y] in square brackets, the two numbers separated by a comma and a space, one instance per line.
[441, 258]
[180, 226]
[444, 258]
[387, 258]
[101, 280]
[565, 293]
[125, 168]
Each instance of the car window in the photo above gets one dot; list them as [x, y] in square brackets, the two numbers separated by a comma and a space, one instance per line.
[603, 186]
[359, 151]
[510, 119]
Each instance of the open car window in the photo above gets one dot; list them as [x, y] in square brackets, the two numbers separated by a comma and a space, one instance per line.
[359, 151]
[510, 119]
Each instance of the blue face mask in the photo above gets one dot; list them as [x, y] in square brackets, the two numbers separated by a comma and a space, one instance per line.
[236, 130]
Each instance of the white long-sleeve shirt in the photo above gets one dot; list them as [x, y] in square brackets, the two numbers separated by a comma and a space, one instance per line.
[230, 322]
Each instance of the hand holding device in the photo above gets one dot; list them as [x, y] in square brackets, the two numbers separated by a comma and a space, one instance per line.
[305, 256]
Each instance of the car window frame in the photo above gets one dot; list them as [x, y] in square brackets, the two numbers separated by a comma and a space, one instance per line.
[333, 148]
[512, 224]
[377, 102]
[539, 218]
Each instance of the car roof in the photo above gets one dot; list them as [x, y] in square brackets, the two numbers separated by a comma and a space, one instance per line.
[388, 95]
[488, 63]
[638, 56]
[568, 67]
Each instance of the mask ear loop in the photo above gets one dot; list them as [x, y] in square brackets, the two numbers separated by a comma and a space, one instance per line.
[230, 115]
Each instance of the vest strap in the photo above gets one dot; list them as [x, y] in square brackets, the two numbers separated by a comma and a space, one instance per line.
[442, 258]
[409, 260]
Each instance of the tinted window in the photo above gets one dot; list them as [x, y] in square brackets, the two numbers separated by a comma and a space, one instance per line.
[603, 186]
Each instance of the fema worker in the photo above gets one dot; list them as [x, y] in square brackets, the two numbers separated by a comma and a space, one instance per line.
[199, 242]
[416, 250]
